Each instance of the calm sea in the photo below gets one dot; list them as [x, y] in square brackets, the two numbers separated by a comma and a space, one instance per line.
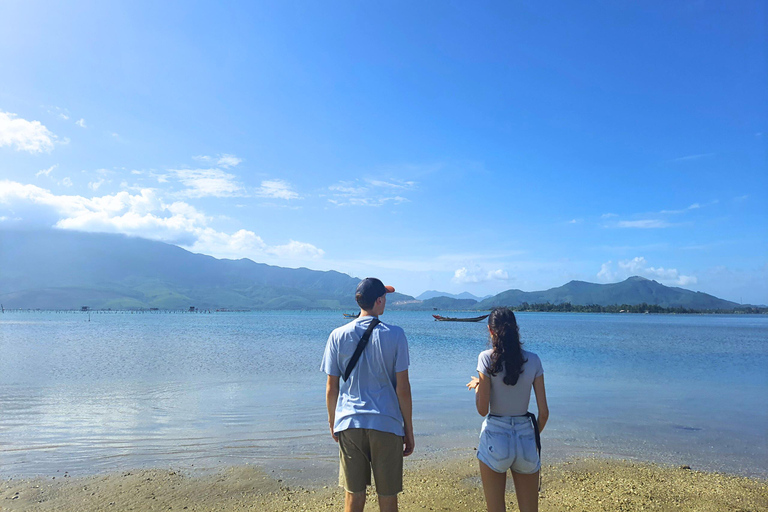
[204, 391]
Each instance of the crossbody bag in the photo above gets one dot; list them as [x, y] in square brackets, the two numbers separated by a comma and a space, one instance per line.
[360, 347]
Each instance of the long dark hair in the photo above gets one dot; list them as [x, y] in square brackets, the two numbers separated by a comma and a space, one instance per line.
[507, 348]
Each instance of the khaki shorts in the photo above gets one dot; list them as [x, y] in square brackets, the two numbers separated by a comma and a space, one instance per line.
[362, 450]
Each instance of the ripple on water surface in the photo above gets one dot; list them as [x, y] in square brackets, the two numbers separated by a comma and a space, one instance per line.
[137, 390]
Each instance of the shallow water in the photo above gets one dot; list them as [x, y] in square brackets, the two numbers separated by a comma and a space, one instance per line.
[208, 390]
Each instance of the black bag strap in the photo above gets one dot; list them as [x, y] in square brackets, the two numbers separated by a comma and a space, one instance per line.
[360, 347]
[538, 439]
[535, 430]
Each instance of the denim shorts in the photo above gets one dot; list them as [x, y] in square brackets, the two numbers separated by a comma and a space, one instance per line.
[509, 442]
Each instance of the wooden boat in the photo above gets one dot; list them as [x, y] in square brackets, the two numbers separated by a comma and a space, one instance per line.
[439, 318]
[349, 315]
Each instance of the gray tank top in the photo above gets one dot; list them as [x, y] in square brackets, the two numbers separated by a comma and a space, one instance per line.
[511, 400]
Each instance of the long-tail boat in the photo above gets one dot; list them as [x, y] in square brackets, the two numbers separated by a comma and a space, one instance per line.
[350, 315]
[439, 318]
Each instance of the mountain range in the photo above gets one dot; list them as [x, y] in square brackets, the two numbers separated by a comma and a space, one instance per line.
[633, 290]
[59, 269]
[66, 269]
[431, 294]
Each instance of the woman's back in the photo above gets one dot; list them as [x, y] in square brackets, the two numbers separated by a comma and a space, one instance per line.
[509, 400]
[508, 440]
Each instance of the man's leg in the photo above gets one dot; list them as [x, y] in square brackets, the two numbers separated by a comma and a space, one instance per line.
[388, 503]
[354, 501]
[387, 466]
[355, 468]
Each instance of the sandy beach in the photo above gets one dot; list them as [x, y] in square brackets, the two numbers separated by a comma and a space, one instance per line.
[578, 485]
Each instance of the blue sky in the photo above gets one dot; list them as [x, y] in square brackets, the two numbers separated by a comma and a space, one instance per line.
[439, 145]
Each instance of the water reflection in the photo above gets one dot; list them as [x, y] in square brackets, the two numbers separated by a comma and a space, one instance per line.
[127, 391]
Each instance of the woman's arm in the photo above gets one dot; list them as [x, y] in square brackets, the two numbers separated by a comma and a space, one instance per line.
[482, 393]
[541, 401]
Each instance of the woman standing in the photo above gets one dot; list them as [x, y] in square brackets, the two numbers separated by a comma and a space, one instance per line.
[508, 436]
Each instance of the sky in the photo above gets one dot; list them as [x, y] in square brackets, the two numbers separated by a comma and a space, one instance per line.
[438, 145]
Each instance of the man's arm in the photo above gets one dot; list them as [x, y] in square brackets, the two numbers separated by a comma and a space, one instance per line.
[331, 398]
[403, 389]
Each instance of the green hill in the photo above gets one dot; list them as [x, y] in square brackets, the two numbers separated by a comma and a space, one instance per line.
[59, 269]
[634, 290]
[439, 303]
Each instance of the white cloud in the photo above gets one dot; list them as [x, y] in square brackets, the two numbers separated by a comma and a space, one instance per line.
[655, 220]
[277, 189]
[639, 267]
[396, 184]
[345, 188]
[643, 224]
[61, 113]
[499, 275]
[369, 192]
[228, 161]
[81, 123]
[477, 275]
[207, 183]
[67, 182]
[161, 178]
[46, 172]
[692, 157]
[297, 251]
[244, 243]
[441, 263]
[94, 185]
[23, 135]
[694, 206]
[224, 160]
[607, 273]
[145, 214]
[223, 245]
[575, 221]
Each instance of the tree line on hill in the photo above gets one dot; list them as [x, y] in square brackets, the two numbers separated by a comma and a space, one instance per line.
[633, 308]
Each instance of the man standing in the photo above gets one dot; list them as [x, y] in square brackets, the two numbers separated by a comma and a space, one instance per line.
[369, 410]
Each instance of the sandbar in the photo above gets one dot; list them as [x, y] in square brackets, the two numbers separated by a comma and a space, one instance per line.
[592, 484]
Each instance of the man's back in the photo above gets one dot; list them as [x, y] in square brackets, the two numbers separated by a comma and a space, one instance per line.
[368, 398]
[369, 413]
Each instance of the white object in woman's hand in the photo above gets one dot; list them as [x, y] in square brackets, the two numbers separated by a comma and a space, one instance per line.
[473, 383]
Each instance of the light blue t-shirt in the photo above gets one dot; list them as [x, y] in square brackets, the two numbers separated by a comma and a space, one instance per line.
[368, 399]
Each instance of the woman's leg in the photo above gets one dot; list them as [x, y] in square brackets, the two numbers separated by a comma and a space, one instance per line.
[494, 485]
[527, 491]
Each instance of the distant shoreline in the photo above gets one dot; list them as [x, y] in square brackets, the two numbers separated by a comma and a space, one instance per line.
[553, 309]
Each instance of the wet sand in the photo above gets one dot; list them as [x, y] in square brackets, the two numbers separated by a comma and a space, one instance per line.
[579, 485]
